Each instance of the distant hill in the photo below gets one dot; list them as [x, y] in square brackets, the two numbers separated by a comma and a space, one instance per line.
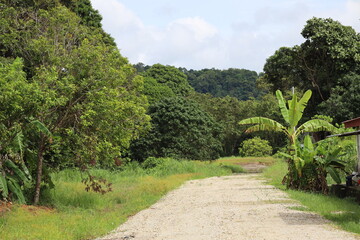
[238, 83]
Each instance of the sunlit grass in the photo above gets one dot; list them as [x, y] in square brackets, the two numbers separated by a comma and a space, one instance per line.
[77, 214]
[246, 160]
[343, 212]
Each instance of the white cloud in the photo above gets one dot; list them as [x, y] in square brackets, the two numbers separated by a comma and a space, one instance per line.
[352, 15]
[116, 16]
[195, 26]
[192, 42]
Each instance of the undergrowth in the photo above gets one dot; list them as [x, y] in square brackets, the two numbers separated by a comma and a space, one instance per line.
[73, 213]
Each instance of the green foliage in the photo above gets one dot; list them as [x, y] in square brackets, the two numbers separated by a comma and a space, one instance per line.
[18, 100]
[13, 178]
[156, 91]
[180, 129]
[329, 52]
[343, 103]
[89, 16]
[255, 147]
[292, 112]
[152, 162]
[237, 83]
[68, 79]
[228, 111]
[314, 162]
[171, 77]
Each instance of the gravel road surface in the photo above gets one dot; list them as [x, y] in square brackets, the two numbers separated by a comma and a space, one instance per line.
[239, 207]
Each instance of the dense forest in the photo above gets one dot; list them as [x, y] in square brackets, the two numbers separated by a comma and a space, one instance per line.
[69, 99]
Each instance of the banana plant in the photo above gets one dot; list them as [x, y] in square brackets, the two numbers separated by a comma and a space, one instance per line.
[325, 155]
[304, 154]
[14, 175]
[13, 171]
[292, 112]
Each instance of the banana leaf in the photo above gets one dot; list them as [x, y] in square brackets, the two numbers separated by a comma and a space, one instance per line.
[20, 174]
[3, 186]
[16, 189]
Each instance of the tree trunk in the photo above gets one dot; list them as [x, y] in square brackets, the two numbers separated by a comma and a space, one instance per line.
[40, 156]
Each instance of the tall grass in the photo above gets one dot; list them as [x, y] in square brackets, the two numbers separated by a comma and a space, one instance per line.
[343, 212]
[74, 213]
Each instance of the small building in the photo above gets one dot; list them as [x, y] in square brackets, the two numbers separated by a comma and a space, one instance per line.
[339, 189]
[356, 124]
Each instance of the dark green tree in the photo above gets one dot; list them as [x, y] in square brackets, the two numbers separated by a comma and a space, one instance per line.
[228, 111]
[156, 91]
[343, 103]
[238, 83]
[330, 51]
[171, 77]
[180, 129]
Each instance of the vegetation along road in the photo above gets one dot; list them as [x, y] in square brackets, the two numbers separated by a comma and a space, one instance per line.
[231, 207]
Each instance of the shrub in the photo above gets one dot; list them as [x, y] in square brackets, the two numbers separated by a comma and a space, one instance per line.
[255, 147]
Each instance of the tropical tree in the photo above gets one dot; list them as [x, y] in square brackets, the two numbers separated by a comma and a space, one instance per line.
[292, 112]
[72, 81]
[181, 130]
[330, 51]
[171, 77]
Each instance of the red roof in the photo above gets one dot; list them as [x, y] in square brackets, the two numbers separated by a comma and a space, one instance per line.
[352, 123]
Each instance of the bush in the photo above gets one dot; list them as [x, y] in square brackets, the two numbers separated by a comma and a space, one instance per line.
[255, 147]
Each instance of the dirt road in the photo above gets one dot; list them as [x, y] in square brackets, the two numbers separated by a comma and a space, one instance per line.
[238, 207]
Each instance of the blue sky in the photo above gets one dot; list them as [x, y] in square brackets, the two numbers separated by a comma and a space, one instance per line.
[220, 34]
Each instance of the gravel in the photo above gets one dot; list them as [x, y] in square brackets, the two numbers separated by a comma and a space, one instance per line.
[227, 208]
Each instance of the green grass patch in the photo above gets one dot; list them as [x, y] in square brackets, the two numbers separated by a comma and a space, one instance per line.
[345, 213]
[246, 160]
[74, 213]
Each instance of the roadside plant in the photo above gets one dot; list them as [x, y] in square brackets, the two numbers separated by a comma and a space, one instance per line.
[292, 112]
[316, 162]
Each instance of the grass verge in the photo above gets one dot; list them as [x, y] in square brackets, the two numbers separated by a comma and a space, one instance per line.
[77, 214]
[344, 213]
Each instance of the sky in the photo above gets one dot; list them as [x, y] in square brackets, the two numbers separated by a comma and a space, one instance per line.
[221, 34]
